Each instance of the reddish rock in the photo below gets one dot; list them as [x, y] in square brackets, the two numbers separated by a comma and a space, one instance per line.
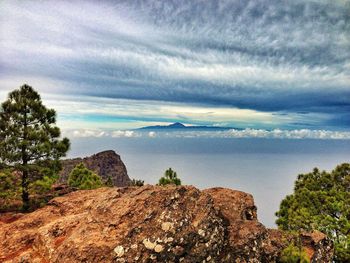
[316, 244]
[148, 224]
[105, 164]
[9, 217]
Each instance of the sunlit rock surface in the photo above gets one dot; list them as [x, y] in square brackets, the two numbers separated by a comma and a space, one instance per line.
[148, 224]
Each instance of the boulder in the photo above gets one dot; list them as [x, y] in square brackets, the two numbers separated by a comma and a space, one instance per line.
[148, 224]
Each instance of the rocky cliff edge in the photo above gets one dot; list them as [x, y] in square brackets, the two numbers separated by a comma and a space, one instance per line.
[149, 224]
[106, 164]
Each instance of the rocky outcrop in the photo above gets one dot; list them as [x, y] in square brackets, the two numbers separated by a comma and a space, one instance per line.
[105, 164]
[148, 224]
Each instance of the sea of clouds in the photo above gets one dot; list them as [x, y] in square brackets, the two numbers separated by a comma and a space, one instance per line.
[232, 133]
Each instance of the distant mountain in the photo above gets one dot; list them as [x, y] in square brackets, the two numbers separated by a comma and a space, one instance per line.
[180, 126]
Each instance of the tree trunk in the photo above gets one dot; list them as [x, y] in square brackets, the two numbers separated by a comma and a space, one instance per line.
[25, 193]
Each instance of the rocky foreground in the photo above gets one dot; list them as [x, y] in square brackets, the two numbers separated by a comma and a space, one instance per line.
[149, 224]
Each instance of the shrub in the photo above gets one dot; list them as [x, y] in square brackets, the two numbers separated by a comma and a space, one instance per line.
[170, 177]
[135, 182]
[83, 178]
[293, 254]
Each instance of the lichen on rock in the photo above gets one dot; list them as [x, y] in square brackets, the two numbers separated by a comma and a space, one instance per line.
[149, 224]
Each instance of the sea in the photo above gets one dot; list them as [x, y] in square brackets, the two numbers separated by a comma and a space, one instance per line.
[264, 167]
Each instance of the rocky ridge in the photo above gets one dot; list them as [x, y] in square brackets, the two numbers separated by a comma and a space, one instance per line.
[105, 164]
[149, 224]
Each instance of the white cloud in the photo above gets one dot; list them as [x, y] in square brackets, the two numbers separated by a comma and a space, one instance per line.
[152, 134]
[233, 133]
[82, 133]
[128, 134]
[98, 133]
[288, 134]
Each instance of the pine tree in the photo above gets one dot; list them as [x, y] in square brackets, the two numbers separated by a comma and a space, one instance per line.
[29, 139]
[321, 201]
[170, 177]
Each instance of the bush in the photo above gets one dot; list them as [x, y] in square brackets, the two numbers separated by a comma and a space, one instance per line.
[170, 177]
[135, 182]
[83, 178]
[294, 254]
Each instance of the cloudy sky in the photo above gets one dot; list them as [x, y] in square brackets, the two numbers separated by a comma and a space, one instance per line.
[112, 65]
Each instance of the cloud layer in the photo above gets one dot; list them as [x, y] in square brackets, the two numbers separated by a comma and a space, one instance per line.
[233, 133]
[287, 61]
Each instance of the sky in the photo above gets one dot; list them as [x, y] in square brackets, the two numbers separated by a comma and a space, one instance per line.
[268, 67]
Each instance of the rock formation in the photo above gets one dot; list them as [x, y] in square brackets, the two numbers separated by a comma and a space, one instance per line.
[105, 164]
[148, 224]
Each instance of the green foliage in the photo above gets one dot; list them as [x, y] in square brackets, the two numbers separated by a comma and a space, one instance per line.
[7, 184]
[83, 178]
[170, 177]
[294, 254]
[321, 201]
[135, 182]
[49, 176]
[29, 139]
[9, 189]
[43, 185]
